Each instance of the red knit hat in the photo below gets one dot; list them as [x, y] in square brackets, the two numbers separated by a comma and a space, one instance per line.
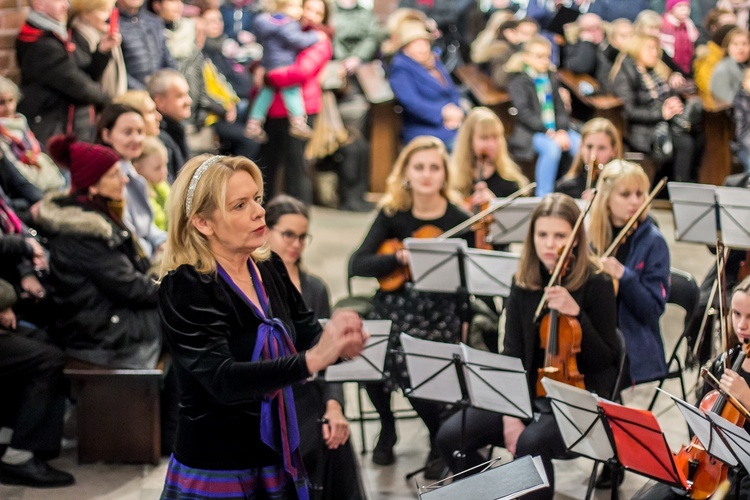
[87, 162]
[671, 3]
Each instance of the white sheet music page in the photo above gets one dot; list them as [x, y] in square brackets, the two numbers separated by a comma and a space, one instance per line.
[738, 438]
[361, 368]
[427, 363]
[701, 426]
[488, 373]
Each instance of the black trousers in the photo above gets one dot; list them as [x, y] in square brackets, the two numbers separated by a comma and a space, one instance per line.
[541, 437]
[233, 140]
[32, 391]
[352, 164]
[289, 152]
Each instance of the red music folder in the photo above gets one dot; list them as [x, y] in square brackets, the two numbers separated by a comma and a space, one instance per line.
[641, 445]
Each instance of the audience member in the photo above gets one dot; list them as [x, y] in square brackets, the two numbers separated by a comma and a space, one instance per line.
[513, 34]
[543, 128]
[707, 57]
[282, 37]
[740, 8]
[485, 45]
[423, 87]
[715, 19]
[98, 45]
[152, 166]
[122, 128]
[238, 19]
[325, 443]
[32, 389]
[21, 195]
[144, 45]
[57, 94]
[106, 311]
[282, 148]
[142, 102]
[171, 94]
[649, 23]
[20, 149]
[618, 38]
[678, 34]
[179, 31]
[649, 103]
[741, 112]
[586, 55]
[609, 10]
[728, 73]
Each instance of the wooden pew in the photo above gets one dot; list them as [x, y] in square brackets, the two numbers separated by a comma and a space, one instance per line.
[485, 94]
[718, 125]
[385, 120]
[118, 412]
[586, 107]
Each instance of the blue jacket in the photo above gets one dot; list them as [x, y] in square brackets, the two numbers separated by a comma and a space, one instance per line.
[641, 301]
[422, 96]
[144, 46]
[282, 39]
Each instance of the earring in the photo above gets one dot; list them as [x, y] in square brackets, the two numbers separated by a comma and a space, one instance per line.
[406, 185]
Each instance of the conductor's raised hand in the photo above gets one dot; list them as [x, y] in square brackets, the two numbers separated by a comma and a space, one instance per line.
[343, 337]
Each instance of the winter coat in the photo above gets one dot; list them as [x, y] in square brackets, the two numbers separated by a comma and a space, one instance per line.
[53, 84]
[282, 39]
[357, 33]
[144, 46]
[741, 110]
[138, 214]
[609, 10]
[105, 302]
[529, 119]
[641, 300]
[704, 65]
[172, 134]
[423, 97]
[726, 79]
[305, 72]
[642, 111]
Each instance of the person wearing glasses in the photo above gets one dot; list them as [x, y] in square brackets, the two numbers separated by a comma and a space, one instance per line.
[326, 449]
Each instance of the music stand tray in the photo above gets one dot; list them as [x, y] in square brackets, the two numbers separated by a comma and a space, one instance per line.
[368, 366]
[510, 480]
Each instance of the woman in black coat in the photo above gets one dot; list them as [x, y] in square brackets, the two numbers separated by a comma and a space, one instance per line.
[106, 301]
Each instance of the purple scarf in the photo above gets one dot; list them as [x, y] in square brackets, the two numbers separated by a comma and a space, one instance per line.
[278, 416]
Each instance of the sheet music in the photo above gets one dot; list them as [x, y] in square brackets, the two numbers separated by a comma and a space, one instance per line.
[735, 216]
[694, 218]
[433, 263]
[489, 272]
[701, 426]
[575, 411]
[369, 365]
[484, 384]
[444, 385]
[737, 437]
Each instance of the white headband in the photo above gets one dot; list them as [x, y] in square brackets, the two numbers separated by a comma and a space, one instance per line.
[194, 181]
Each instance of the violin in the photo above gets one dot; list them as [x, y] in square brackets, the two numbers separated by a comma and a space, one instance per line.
[705, 473]
[482, 228]
[396, 279]
[560, 334]
[592, 172]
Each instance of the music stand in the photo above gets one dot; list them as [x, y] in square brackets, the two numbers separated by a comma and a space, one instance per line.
[582, 426]
[511, 224]
[736, 438]
[494, 482]
[641, 445]
[460, 375]
[368, 366]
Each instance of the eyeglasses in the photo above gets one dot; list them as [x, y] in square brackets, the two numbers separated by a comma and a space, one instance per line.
[290, 237]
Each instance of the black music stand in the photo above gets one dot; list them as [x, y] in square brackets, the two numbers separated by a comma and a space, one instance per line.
[493, 482]
[736, 438]
[582, 427]
[465, 377]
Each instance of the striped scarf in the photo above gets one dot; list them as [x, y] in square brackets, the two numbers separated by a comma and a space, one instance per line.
[543, 87]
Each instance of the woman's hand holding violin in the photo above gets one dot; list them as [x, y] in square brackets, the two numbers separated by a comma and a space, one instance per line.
[613, 267]
[559, 298]
[481, 195]
[343, 337]
[732, 383]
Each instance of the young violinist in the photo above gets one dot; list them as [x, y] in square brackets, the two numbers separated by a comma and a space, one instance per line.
[587, 295]
[417, 196]
[735, 383]
[600, 141]
[640, 264]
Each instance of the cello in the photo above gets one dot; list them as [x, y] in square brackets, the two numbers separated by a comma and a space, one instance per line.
[560, 334]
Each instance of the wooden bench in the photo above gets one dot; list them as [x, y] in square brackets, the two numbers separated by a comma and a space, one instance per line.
[118, 412]
[595, 105]
[385, 120]
[716, 163]
[485, 94]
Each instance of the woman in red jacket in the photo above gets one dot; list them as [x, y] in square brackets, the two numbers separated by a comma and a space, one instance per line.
[281, 148]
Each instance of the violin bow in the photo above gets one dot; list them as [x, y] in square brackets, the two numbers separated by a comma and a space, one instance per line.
[715, 383]
[634, 218]
[459, 229]
[564, 255]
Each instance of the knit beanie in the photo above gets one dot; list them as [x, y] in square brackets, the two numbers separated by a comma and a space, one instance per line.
[671, 4]
[87, 162]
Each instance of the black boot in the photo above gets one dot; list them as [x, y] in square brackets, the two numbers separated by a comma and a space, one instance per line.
[383, 452]
[605, 479]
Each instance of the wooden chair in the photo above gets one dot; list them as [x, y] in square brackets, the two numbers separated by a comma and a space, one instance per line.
[485, 94]
[596, 105]
[118, 412]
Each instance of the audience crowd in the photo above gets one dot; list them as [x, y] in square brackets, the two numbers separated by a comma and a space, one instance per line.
[113, 97]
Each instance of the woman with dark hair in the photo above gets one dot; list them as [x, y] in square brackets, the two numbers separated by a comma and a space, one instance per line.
[123, 129]
[105, 300]
[324, 432]
[585, 294]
